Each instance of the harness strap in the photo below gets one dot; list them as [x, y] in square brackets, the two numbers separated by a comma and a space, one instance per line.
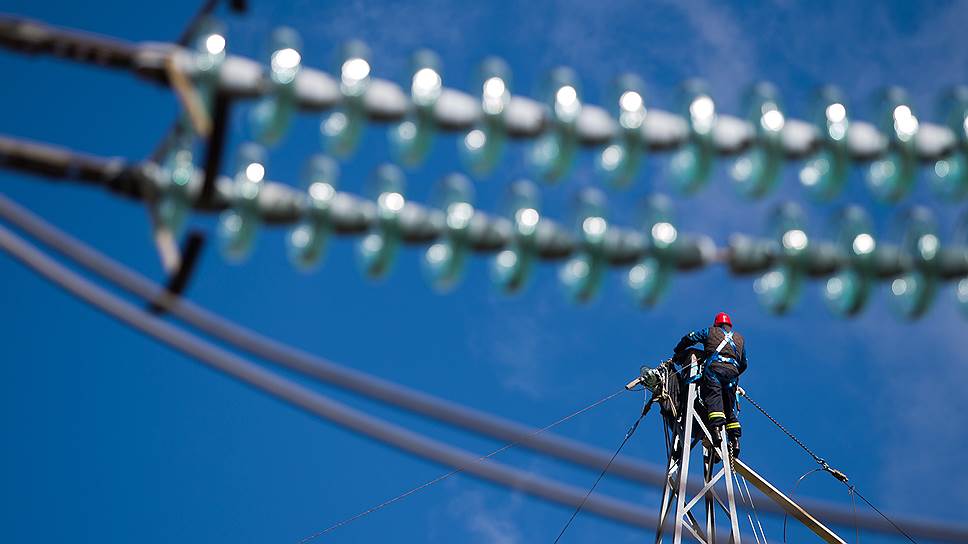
[727, 338]
[718, 356]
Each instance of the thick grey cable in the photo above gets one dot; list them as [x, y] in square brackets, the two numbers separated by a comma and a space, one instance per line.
[311, 401]
[907, 535]
[598, 480]
[315, 367]
[827, 468]
[408, 399]
[454, 472]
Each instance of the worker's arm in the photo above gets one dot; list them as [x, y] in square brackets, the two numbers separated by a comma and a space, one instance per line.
[695, 337]
[743, 362]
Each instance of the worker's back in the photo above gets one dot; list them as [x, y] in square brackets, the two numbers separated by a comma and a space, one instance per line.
[715, 337]
[725, 359]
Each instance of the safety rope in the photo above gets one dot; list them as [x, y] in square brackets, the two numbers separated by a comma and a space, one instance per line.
[601, 475]
[820, 460]
[458, 470]
[661, 393]
[827, 468]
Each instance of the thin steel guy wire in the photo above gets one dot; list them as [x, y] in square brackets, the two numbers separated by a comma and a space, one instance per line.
[312, 401]
[458, 470]
[408, 399]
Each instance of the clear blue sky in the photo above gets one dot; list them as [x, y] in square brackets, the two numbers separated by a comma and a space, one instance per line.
[110, 437]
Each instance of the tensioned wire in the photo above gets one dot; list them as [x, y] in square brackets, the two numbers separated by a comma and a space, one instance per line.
[456, 471]
[830, 470]
[312, 401]
[408, 399]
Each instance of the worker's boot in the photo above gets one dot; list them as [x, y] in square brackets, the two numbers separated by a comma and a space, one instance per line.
[734, 446]
[716, 432]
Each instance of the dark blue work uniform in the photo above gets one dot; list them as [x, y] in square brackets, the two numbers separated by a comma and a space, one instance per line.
[725, 359]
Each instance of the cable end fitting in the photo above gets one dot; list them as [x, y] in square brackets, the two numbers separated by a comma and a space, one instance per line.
[834, 472]
[839, 475]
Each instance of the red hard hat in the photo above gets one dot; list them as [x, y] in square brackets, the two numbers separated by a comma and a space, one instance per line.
[722, 318]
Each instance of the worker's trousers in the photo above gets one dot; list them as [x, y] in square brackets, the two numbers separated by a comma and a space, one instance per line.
[718, 390]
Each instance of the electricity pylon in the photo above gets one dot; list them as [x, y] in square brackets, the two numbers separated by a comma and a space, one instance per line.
[685, 428]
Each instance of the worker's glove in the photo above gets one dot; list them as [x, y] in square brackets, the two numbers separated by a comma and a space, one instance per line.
[740, 391]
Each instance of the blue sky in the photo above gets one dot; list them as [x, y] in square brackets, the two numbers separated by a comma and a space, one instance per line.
[110, 437]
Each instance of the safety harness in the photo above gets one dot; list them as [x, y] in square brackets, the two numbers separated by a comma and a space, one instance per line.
[717, 355]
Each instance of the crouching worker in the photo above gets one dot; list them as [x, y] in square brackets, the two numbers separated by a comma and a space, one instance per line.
[724, 360]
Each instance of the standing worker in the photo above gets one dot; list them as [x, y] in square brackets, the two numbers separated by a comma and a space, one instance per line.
[724, 359]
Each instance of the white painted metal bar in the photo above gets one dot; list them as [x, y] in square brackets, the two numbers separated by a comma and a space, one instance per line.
[710, 482]
[787, 504]
[684, 460]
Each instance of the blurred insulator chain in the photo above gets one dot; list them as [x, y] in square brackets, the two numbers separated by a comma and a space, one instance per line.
[852, 259]
[762, 140]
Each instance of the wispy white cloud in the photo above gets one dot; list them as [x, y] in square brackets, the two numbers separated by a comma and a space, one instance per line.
[488, 523]
[518, 343]
[922, 442]
[916, 371]
[860, 46]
